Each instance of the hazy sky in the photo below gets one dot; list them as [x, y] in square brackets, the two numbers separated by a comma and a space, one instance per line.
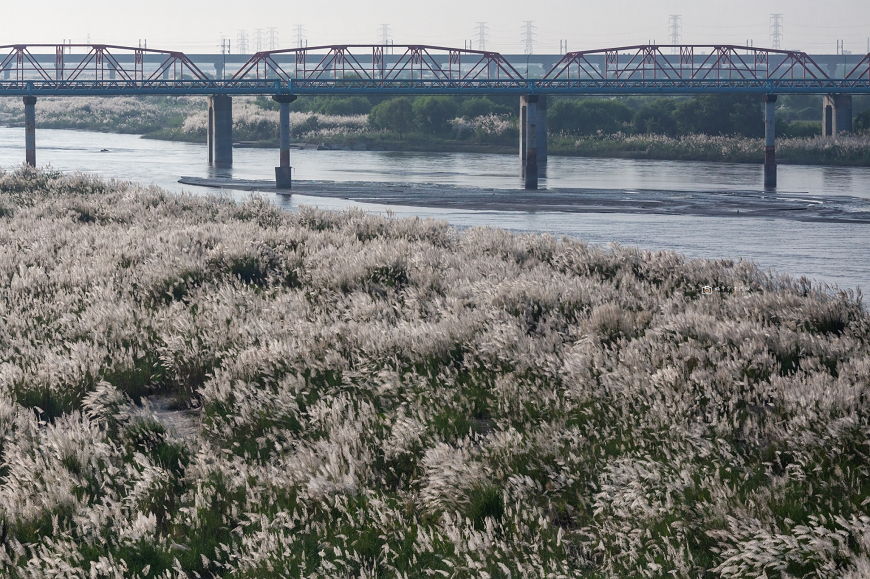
[197, 26]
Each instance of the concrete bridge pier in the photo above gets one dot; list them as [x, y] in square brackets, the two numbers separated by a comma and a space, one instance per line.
[220, 130]
[542, 135]
[30, 130]
[218, 70]
[529, 140]
[770, 140]
[837, 114]
[283, 175]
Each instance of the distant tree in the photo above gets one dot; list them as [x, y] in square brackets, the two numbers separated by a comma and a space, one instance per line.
[356, 105]
[790, 129]
[434, 113]
[746, 116]
[657, 118]
[588, 117]
[480, 107]
[701, 116]
[715, 114]
[395, 115]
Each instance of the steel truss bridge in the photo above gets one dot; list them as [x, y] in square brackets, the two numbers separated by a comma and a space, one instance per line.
[108, 70]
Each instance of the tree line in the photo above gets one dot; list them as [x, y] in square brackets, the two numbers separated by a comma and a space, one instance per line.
[710, 114]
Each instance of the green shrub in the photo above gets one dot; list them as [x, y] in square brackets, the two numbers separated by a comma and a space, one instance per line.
[485, 503]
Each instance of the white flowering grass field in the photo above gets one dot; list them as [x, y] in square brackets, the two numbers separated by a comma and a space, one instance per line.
[377, 397]
[130, 115]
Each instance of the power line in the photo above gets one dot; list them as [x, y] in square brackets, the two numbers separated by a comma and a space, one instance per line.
[675, 30]
[299, 36]
[242, 43]
[529, 36]
[225, 49]
[481, 35]
[776, 31]
[385, 34]
[273, 38]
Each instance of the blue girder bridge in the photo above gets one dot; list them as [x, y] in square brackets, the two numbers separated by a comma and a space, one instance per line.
[32, 71]
[108, 70]
[427, 87]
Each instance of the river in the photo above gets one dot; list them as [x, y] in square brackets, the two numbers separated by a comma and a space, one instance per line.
[832, 253]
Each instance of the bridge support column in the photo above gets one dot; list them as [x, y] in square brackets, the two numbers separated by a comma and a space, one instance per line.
[30, 130]
[283, 175]
[542, 134]
[837, 114]
[529, 140]
[220, 131]
[770, 140]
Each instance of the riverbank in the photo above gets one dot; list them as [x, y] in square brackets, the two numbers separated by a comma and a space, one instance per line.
[379, 395]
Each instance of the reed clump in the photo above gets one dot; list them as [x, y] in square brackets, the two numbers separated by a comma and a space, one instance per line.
[397, 398]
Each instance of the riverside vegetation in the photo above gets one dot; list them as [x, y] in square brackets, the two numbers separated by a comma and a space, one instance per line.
[375, 397]
[706, 127]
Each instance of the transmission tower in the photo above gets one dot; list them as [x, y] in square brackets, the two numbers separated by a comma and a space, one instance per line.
[675, 31]
[776, 30]
[385, 34]
[273, 38]
[481, 35]
[242, 42]
[299, 36]
[258, 39]
[529, 36]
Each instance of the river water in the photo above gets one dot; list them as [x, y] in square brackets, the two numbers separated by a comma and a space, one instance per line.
[833, 253]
